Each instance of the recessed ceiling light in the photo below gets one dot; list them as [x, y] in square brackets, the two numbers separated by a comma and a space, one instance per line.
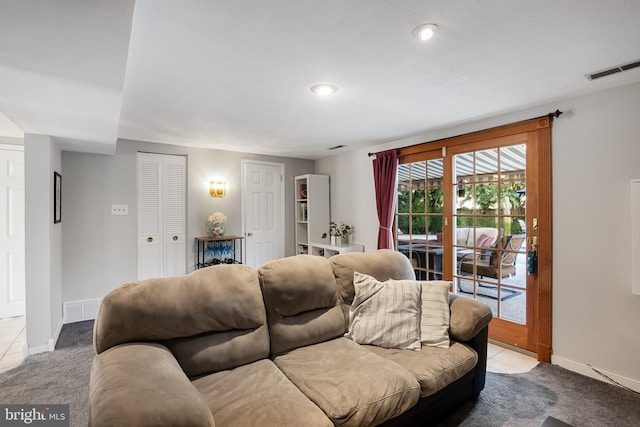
[324, 89]
[425, 32]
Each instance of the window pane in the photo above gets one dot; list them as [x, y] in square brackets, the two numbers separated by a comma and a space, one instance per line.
[487, 165]
[403, 175]
[403, 201]
[464, 197]
[418, 174]
[512, 198]
[486, 199]
[436, 199]
[418, 225]
[418, 202]
[403, 224]
[436, 224]
[513, 161]
[435, 171]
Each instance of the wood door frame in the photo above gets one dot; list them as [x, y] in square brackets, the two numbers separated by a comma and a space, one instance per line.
[539, 286]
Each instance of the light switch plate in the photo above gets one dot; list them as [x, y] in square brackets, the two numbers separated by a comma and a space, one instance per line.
[119, 209]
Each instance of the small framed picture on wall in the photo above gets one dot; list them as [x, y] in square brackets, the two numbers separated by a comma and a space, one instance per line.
[57, 197]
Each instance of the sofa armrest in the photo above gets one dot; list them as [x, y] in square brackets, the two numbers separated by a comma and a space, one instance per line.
[142, 384]
[468, 317]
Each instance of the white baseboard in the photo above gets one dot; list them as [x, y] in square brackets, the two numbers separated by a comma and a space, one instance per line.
[54, 339]
[79, 311]
[38, 349]
[49, 346]
[588, 371]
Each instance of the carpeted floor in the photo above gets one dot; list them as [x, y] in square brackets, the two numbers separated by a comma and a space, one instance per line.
[527, 399]
[62, 376]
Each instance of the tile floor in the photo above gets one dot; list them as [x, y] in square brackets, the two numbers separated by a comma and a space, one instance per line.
[12, 341]
[505, 361]
[13, 338]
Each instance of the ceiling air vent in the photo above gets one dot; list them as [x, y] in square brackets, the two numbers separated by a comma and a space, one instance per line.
[613, 70]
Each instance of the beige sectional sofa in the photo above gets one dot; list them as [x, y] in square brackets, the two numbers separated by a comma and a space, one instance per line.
[231, 346]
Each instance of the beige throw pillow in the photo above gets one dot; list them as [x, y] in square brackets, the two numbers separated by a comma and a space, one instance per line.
[385, 314]
[434, 319]
[435, 312]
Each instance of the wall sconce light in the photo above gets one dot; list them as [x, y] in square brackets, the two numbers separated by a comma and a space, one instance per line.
[218, 188]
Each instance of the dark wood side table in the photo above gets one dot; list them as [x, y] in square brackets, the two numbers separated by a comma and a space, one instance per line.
[218, 242]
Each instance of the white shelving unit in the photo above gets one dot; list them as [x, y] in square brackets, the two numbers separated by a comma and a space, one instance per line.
[328, 251]
[312, 211]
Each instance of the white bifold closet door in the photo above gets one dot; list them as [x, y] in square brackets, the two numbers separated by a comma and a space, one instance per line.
[161, 215]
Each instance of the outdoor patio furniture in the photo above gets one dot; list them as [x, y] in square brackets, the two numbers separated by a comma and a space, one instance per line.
[499, 263]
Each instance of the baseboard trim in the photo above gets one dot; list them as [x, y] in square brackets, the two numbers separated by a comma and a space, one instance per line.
[54, 340]
[49, 346]
[38, 349]
[588, 371]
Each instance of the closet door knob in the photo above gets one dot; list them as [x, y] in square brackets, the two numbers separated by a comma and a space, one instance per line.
[175, 238]
[149, 239]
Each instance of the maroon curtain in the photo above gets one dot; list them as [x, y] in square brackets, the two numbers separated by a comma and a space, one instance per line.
[384, 177]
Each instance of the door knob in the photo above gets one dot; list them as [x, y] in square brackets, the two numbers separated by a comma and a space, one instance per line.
[175, 238]
[149, 239]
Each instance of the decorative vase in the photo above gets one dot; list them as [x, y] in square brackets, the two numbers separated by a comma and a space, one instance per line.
[333, 240]
[215, 229]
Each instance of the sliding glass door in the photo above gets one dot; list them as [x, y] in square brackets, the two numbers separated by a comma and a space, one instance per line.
[468, 211]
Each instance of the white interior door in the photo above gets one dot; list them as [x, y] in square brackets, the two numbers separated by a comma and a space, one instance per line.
[161, 215]
[12, 282]
[263, 211]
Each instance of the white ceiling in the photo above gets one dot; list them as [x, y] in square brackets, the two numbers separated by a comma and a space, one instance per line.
[236, 75]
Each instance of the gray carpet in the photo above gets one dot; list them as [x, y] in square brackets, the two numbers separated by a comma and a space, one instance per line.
[62, 376]
[548, 390]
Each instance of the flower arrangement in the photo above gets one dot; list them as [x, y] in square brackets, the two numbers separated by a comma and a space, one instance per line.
[215, 224]
[218, 217]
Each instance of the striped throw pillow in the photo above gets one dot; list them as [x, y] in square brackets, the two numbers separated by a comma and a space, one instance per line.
[434, 319]
[385, 314]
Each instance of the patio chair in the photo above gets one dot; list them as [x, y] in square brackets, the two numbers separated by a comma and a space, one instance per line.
[491, 267]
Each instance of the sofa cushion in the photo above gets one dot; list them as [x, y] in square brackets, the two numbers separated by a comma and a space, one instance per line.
[433, 367]
[386, 314]
[353, 386]
[465, 236]
[141, 384]
[302, 302]
[258, 394]
[211, 319]
[382, 264]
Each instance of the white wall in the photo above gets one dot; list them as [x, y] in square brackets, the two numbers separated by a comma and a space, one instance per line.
[43, 244]
[100, 250]
[596, 151]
